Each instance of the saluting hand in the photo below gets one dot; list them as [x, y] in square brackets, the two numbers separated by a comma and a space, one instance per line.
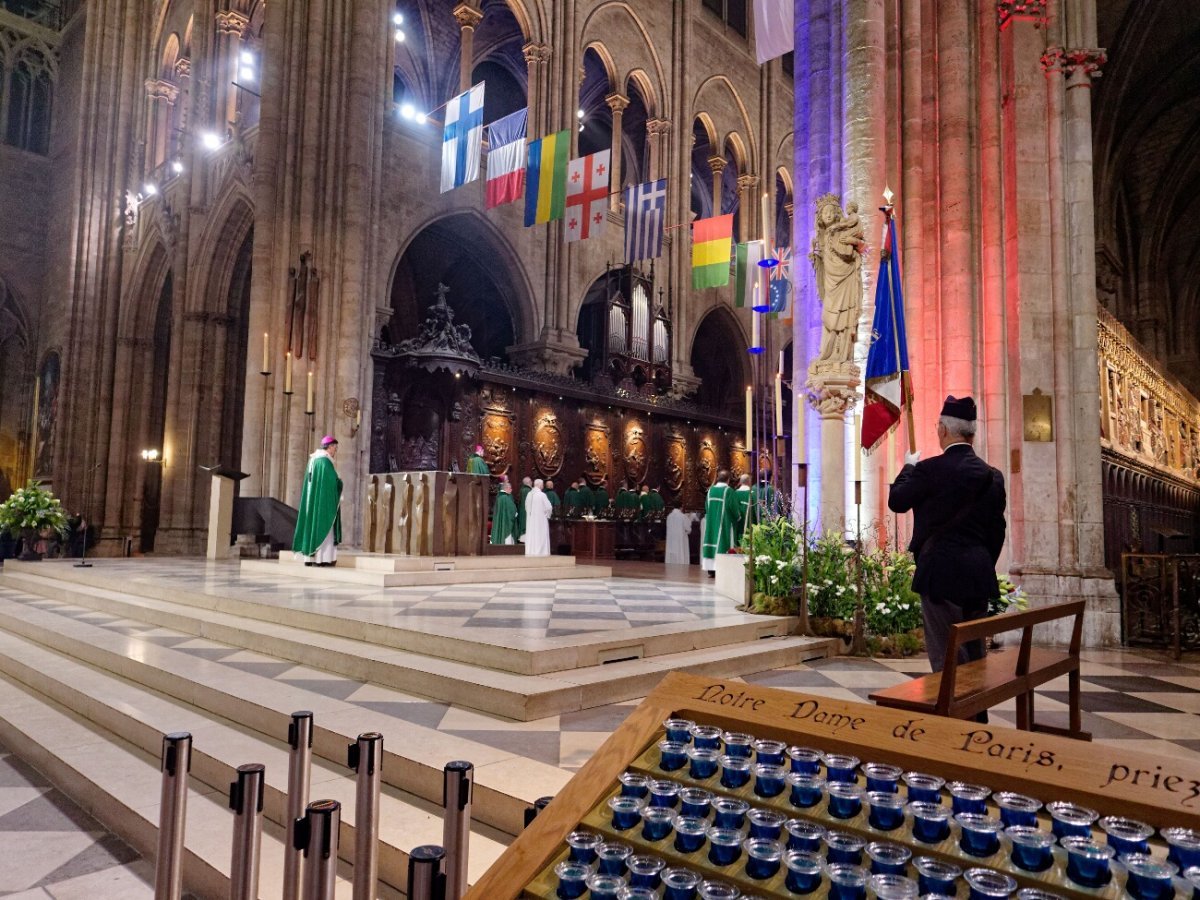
[911, 459]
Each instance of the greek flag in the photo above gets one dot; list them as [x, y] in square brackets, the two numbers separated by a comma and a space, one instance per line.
[462, 139]
[645, 211]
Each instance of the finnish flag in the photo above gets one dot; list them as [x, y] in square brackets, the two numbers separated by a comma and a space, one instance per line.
[462, 140]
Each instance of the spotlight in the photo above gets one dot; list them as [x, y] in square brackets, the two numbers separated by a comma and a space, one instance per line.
[149, 189]
[211, 140]
[177, 167]
[579, 113]
[398, 19]
[399, 36]
[422, 118]
[150, 455]
[247, 57]
[408, 111]
[247, 73]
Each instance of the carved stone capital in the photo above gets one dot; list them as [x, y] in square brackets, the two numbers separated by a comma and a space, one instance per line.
[466, 16]
[658, 126]
[536, 53]
[1029, 10]
[747, 182]
[232, 22]
[183, 68]
[833, 388]
[1079, 62]
[160, 89]
[718, 164]
[617, 103]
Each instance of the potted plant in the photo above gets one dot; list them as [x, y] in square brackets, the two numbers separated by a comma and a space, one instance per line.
[31, 513]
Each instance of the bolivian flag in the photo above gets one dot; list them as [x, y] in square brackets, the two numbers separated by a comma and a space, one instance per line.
[546, 178]
[710, 251]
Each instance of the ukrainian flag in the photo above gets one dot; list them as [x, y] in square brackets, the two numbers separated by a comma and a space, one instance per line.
[711, 240]
[546, 178]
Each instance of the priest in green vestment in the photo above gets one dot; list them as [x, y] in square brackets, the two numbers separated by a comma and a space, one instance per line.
[526, 487]
[319, 520]
[600, 499]
[645, 504]
[504, 516]
[718, 524]
[555, 502]
[571, 499]
[740, 503]
[763, 502]
[476, 464]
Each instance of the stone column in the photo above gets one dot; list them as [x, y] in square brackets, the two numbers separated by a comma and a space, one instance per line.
[748, 205]
[617, 103]
[231, 26]
[717, 164]
[834, 391]
[536, 58]
[468, 17]
[161, 96]
[656, 135]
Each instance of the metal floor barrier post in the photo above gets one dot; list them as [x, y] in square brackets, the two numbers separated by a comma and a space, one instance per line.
[246, 801]
[300, 732]
[366, 758]
[172, 815]
[457, 788]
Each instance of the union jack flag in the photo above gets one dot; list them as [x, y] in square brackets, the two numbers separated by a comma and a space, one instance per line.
[781, 282]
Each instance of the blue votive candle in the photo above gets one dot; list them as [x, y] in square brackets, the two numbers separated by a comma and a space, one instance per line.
[803, 871]
[738, 743]
[769, 781]
[1017, 809]
[769, 753]
[612, 858]
[979, 835]
[634, 784]
[766, 823]
[724, 846]
[572, 880]
[805, 759]
[1127, 835]
[672, 755]
[694, 802]
[887, 810]
[888, 859]
[680, 884]
[935, 876]
[604, 887]
[638, 893]
[804, 836]
[1070, 820]
[882, 777]
[846, 882]
[657, 822]
[583, 846]
[840, 767]
[1088, 861]
[1183, 847]
[923, 788]
[931, 822]
[626, 812]
[889, 886]
[703, 762]
[729, 812]
[763, 858]
[707, 737]
[843, 848]
[645, 871]
[1037, 894]
[718, 890]
[1032, 849]
[845, 800]
[1192, 874]
[689, 833]
[968, 798]
[679, 730]
[806, 790]
[987, 884]
[1149, 878]
[664, 793]
[735, 771]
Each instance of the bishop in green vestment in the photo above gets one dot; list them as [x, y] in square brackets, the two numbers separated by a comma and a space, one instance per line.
[477, 465]
[319, 521]
[526, 487]
[504, 516]
[718, 524]
[763, 503]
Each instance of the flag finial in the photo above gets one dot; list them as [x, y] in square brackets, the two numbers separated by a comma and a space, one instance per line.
[888, 195]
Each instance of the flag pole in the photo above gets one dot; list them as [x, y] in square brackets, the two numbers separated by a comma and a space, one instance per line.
[906, 391]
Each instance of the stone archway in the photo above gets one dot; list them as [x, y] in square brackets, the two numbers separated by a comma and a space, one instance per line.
[719, 359]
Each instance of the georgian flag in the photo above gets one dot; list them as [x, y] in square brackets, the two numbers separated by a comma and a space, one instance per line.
[506, 159]
[587, 195]
[462, 139]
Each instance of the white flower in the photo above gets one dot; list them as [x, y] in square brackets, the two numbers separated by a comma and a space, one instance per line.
[904, 606]
[841, 589]
[774, 579]
[780, 564]
[886, 611]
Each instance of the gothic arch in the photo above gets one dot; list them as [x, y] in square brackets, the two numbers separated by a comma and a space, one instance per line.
[717, 349]
[716, 94]
[624, 28]
[606, 59]
[640, 81]
[151, 271]
[231, 221]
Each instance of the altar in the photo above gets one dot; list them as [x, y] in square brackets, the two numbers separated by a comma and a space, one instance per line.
[426, 513]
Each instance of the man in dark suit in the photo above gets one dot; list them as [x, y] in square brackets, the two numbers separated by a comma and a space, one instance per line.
[958, 502]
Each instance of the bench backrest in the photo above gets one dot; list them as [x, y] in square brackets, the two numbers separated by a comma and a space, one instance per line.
[981, 629]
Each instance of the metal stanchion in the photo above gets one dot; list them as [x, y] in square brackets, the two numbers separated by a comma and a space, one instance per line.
[172, 815]
[246, 800]
[366, 758]
[459, 779]
[426, 875]
[317, 836]
[299, 768]
[531, 812]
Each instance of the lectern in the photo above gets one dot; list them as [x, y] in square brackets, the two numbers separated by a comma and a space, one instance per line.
[220, 509]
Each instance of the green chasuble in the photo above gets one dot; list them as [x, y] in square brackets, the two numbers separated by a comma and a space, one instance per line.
[555, 503]
[319, 508]
[763, 503]
[525, 489]
[504, 519]
[657, 502]
[477, 466]
[740, 505]
[626, 499]
[571, 498]
[599, 500]
[646, 502]
[718, 522]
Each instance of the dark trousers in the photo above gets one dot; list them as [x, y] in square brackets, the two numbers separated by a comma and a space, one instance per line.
[938, 618]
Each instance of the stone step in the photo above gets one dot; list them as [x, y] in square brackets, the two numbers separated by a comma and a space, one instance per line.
[142, 717]
[426, 576]
[119, 785]
[505, 782]
[390, 562]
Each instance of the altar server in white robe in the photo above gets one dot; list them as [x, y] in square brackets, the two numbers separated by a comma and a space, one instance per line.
[537, 521]
[679, 526]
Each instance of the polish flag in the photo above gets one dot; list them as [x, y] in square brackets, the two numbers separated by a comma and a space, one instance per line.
[506, 159]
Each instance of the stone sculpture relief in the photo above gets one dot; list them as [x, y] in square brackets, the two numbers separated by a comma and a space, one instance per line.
[635, 458]
[837, 260]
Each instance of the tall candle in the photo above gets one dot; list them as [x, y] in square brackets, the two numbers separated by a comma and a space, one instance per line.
[801, 446]
[749, 418]
[755, 333]
[778, 403]
[310, 405]
[287, 373]
[891, 456]
[266, 367]
[766, 225]
[780, 369]
[858, 447]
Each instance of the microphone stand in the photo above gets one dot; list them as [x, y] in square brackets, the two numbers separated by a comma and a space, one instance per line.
[83, 563]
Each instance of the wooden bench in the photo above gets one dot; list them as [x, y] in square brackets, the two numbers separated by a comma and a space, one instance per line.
[963, 690]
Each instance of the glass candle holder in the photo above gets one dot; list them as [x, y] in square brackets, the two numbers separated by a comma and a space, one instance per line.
[935, 876]
[968, 798]
[729, 812]
[637, 893]
[583, 846]
[694, 802]
[1037, 894]
[763, 858]
[1183, 846]
[1088, 863]
[1192, 874]
[738, 743]
[931, 822]
[704, 762]
[657, 822]
[979, 835]
[672, 755]
[724, 846]
[803, 836]
[735, 771]
[805, 759]
[845, 799]
[841, 847]
[923, 788]
[718, 890]
[707, 737]
[679, 730]
[1149, 878]
[572, 879]
[1071, 820]
[645, 871]
[680, 884]
[689, 833]
[634, 784]
[841, 767]
[882, 777]
[1127, 835]
[846, 882]
[893, 887]
[626, 812]
[888, 859]
[766, 823]
[612, 858]
[987, 884]
[803, 871]
[887, 810]
[664, 793]
[1032, 849]
[769, 753]
[604, 887]
[769, 781]
[806, 790]
[1017, 809]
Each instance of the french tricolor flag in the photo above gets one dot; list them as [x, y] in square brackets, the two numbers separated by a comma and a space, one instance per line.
[506, 158]
[887, 389]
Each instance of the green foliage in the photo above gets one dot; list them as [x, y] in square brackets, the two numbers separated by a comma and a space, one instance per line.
[1011, 597]
[890, 605]
[831, 578]
[32, 508]
[775, 549]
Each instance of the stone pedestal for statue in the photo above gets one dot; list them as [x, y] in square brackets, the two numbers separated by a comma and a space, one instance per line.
[833, 388]
[220, 510]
